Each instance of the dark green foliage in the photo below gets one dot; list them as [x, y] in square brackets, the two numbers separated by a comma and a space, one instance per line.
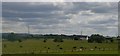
[111, 40]
[76, 38]
[11, 37]
[90, 40]
[96, 38]
[19, 40]
[58, 40]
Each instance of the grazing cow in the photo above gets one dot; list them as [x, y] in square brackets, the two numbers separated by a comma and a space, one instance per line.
[80, 49]
[91, 49]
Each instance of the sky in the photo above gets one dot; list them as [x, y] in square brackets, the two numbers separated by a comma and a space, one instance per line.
[60, 17]
[60, 0]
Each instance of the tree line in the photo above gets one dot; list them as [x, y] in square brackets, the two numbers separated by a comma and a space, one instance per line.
[57, 38]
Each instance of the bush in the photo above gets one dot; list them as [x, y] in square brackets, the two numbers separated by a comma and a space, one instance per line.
[45, 41]
[76, 38]
[111, 40]
[58, 40]
[90, 41]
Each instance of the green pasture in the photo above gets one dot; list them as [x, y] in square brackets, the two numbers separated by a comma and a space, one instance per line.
[34, 46]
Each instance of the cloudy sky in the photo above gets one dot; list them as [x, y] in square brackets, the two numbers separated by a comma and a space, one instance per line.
[60, 17]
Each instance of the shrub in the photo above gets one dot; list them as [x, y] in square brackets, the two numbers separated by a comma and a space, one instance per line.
[58, 40]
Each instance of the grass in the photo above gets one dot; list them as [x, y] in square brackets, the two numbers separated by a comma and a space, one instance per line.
[39, 47]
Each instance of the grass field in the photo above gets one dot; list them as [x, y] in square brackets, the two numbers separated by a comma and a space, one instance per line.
[50, 47]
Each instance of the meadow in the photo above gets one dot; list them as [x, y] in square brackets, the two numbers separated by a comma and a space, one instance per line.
[38, 46]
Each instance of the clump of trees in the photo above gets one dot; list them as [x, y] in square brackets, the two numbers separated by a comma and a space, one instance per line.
[58, 40]
[96, 38]
[76, 38]
[109, 40]
[11, 37]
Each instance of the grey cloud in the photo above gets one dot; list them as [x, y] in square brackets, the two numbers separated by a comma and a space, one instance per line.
[46, 16]
[108, 21]
[26, 7]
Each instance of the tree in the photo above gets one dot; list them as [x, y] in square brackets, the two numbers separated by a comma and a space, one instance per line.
[12, 37]
[111, 40]
[96, 38]
[90, 40]
[76, 38]
[58, 40]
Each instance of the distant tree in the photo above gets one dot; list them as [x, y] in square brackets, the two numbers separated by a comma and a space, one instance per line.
[31, 35]
[12, 37]
[58, 40]
[90, 40]
[76, 38]
[96, 38]
[111, 40]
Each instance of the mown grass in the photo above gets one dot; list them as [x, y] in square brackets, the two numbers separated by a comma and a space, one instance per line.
[33, 46]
